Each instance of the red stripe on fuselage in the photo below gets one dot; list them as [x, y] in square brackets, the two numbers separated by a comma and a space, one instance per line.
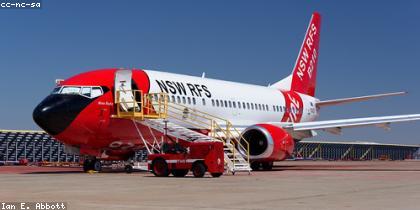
[142, 80]
[294, 107]
[93, 127]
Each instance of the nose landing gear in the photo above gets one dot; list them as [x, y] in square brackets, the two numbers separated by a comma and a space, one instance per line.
[128, 168]
[92, 164]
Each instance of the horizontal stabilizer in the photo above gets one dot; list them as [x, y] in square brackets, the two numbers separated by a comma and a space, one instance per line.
[356, 99]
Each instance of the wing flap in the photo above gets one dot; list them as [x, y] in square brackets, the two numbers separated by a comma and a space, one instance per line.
[307, 129]
[334, 126]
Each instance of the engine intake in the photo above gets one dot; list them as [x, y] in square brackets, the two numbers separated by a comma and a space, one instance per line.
[268, 142]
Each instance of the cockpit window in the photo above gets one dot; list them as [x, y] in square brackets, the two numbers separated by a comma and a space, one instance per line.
[86, 91]
[96, 91]
[70, 90]
[56, 90]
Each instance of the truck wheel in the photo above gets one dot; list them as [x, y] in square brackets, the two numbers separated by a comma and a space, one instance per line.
[179, 172]
[160, 168]
[216, 174]
[128, 169]
[199, 169]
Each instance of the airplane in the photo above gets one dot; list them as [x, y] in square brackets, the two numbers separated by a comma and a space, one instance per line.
[79, 111]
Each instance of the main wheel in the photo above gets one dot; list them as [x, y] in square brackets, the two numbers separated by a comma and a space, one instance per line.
[216, 174]
[179, 172]
[97, 165]
[87, 165]
[267, 166]
[160, 167]
[198, 169]
[128, 169]
[255, 166]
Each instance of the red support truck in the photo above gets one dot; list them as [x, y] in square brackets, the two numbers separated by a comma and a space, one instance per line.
[179, 158]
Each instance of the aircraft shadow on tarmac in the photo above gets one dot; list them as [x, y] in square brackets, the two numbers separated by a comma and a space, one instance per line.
[82, 172]
[54, 172]
[147, 174]
[275, 169]
[335, 168]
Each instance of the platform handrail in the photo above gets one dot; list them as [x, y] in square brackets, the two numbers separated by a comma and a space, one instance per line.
[214, 124]
[140, 106]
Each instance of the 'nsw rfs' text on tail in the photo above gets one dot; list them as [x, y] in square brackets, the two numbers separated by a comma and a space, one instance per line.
[303, 77]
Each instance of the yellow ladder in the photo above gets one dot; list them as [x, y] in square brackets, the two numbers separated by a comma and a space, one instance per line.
[236, 148]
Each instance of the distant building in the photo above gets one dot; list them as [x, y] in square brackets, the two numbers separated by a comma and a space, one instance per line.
[38, 146]
[354, 150]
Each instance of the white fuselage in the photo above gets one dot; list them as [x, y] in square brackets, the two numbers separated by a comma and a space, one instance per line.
[227, 99]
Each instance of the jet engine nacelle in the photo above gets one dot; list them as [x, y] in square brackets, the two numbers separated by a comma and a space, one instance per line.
[268, 142]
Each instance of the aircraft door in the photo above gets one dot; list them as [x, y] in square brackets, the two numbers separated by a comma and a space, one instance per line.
[123, 91]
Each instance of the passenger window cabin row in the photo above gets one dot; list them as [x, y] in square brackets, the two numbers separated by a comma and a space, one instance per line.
[229, 104]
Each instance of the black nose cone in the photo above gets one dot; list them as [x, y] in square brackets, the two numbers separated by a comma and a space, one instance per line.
[56, 112]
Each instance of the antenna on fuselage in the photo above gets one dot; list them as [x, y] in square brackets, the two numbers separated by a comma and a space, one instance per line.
[203, 75]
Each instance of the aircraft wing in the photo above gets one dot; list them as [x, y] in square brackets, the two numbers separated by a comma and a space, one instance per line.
[305, 129]
[356, 99]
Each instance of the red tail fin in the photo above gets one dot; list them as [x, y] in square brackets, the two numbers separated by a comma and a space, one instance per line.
[304, 72]
[303, 78]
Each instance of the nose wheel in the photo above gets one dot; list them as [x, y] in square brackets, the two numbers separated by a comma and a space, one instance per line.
[128, 169]
[92, 165]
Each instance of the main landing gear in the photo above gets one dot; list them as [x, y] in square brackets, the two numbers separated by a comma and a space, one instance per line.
[92, 164]
[128, 168]
[262, 166]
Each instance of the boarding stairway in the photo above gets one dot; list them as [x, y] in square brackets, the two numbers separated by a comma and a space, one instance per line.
[175, 130]
[155, 111]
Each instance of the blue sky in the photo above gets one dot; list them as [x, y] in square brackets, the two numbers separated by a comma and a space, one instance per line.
[366, 47]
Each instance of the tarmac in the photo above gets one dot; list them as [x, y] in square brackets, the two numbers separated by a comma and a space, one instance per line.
[291, 185]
